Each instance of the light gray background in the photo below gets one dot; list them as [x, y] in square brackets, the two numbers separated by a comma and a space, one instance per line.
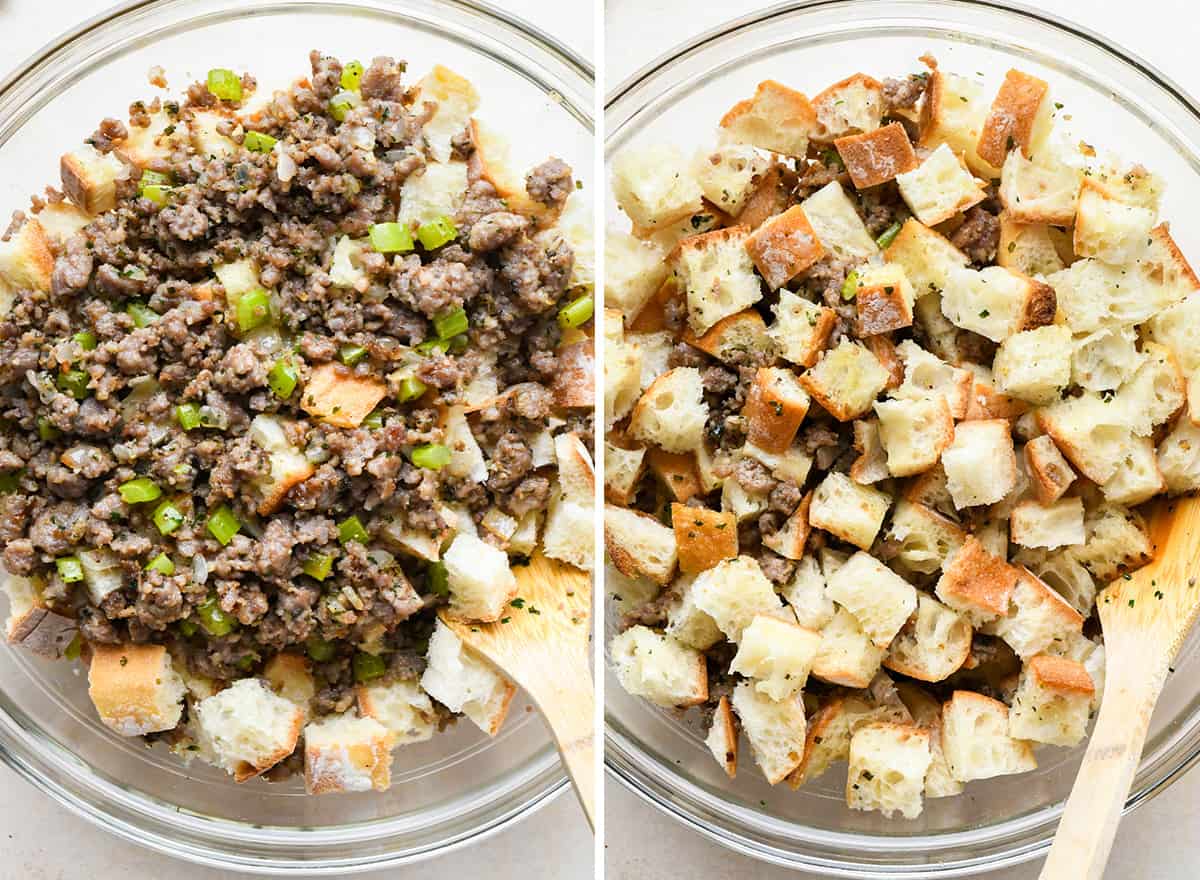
[39, 840]
[1160, 841]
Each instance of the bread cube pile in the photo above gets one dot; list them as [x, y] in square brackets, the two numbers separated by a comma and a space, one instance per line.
[915, 354]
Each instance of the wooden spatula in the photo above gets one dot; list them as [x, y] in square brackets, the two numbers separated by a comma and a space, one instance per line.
[1145, 617]
[542, 644]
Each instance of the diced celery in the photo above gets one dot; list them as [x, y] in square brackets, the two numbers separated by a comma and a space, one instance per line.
[188, 415]
[451, 324]
[283, 378]
[74, 383]
[411, 388]
[352, 75]
[433, 456]
[86, 340]
[351, 354]
[368, 667]
[142, 314]
[167, 517]
[70, 569]
[391, 238]
[139, 490]
[214, 620]
[253, 309]
[318, 565]
[577, 313]
[437, 232]
[161, 563]
[319, 649]
[351, 529]
[257, 142]
[225, 84]
[223, 524]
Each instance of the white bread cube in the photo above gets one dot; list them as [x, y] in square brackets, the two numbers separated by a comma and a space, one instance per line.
[1179, 457]
[793, 465]
[347, 753]
[204, 133]
[34, 626]
[850, 106]
[1155, 392]
[658, 668]
[741, 503]
[455, 100]
[718, 274]
[783, 246]
[928, 259]
[883, 299]
[668, 237]
[1178, 328]
[871, 465]
[980, 463]
[1092, 294]
[289, 466]
[1059, 524]
[1034, 365]
[732, 593]
[776, 730]
[1164, 267]
[290, 676]
[976, 741]
[703, 536]
[1107, 228]
[1044, 189]
[878, 156]
[1064, 574]
[247, 728]
[933, 645]
[686, 623]
[438, 191]
[144, 144]
[672, 412]
[60, 221]
[778, 654]
[926, 538]
[464, 683]
[1028, 248]
[135, 689]
[1088, 652]
[1116, 540]
[888, 763]
[1021, 117]
[1090, 432]
[774, 407]
[730, 339]
[847, 655]
[954, 112]
[846, 380]
[790, 539]
[568, 534]
[633, 272]
[727, 175]
[880, 599]
[832, 725]
[1036, 618]
[996, 302]
[400, 706]
[927, 375]
[801, 328]
[833, 218]
[939, 188]
[1052, 702]
[623, 469]
[26, 262]
[575, 473]
[655, 185]
[655, 349]
[852, 512]
[914, 433]
[89, 178]
[639, 545]
[628, 593]
[977, 584]
[926, 711]
[776, 118]
[622, 380]
[1049, 472]
[722, 739]
[481, 583]
[807, 595]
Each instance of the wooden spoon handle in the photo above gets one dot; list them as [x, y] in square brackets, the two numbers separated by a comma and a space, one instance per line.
[564, 695]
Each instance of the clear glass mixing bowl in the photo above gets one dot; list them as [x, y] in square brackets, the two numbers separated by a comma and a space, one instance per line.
[445, 792]
[1113, 99]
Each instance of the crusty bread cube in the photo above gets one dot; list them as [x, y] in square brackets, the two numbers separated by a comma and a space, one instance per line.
[927, 376]
[928, 259]
[135, 689]
[988, 403]
[1027, 248]
[1052, 702]
[1108, 228]
[34, 626]
[853, 105]
[206, 137]
[633, 271]
[933, 645]
[807, 595]
[777, 118]
[914, 433]
[675, 472]
[742, 503]
[727, 175]
[732, 592]
[888, 355]
[926, 539]
[1036, 618]
[686, 623]
[877, 156]
[655, 185]
[778, 654]
[1089, 431]
[784, 246]
[623, 470]
[832, 216]
[1020, 117]
[1179, 457]
[1064, 574]
[772, 195]
[791, 466]
[1059, 524]
[347, 753]
[980, 462]
[622, 379]
[1044, 189]
[454, 99]
[996, 302]
[1088, 652]
[247, 728]
[880, 599]
[829, 732]
[574, 384]
[402, 707]
[976, 740]
[463, 682]
[1154, 393]
[926, 711]
[147, 143]
[731, 338]
[1164, 267]
[639, 545]
[1116, 540]
[939, 188]
[438, 191]
[89, 178]
[883, 299]
[289, 466]
[847, 655]
[852, 512]
[954, 112]
[1092, 294]
[60, 221]
[1049, 471]
[290, 675]
[340, 396]
[672, 412]
[1035, 365]
[722, 739]
[703, 537]
[789, 540]
[775, 729]
[846, 380]
[801, 328]
[775, 406]
[871, 464]
[481, 583]
[26, 261]
[492, 161]
[568, 532]
[659, 668]
[718, 275]
[888, 763]
[977, 584]
[1178, 328]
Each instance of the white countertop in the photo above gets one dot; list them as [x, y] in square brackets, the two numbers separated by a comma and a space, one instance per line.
[642, 843]
[39, 840]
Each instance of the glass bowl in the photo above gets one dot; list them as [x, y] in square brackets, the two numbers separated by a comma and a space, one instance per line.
[1113, 100]
[446, 792]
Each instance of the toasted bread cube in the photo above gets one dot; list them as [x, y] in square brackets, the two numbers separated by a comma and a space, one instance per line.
[846, 380]
[976, 740]
[207, 140]
[887, 354]
[1053, 525]
[926, 375]
[1108, 228]
[828, 737]
[926, 538]
[730, 338]
[1037, 617]
[1049, 472]
[1116, 540]
[980, 463]
[883, 299]
[880, 599]
[1042, 190]
[655, 351]
[464, 683]
[847, 655]
[672, 412]
[718, 274]
[623, 470]
[775, 406]
[89, 178]
[775, 729]
[1165, 268]
[1019, 118]
[341, 396]
[622, 380]
[135, 688]
[481, 583]
[675, 472]
[438, 191]
[345, 268]
[347, 753]
[988, 403]
[928, 259]
[1064, 574]
[888, 763]
[977, 584]
[772, 195]
[26, 261]
[638, 544]
[791, 466]
[1154, 393]
[789, 540]
[654, 185]
[1179, 457]
[1092, 294]
[722, 739]
[1178, 328]
[732, 592]
[633, 271]
[933, 645]
[574, 385]
[686, 623]
[1090, 432]
[1027, 248]
[247, 728]
[289, 466]
[455, 100]
[996, 302]
[801, 328]
[939, 188]
[926, 712]
[146, 143]
[914, 433]
[290, 676]
[878, 156]
[852, 106]
[852, 512]
[727, 175]
[777, 118]
[1035, 365]
[871, 464]
[1052, 702]
[575, 473]
[703, 537]
[491, 159]
[832, 216]
[777, 654]
[400, 706]
[658, 668]
[60, 221]
[807, 595]
[954, 112]
[568, 534]
[33, 625]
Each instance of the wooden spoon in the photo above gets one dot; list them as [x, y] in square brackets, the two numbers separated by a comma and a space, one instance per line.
[1145, 616]
[542, 645]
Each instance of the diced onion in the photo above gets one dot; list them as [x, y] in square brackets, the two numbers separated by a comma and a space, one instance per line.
[285, 168]
[200, 569]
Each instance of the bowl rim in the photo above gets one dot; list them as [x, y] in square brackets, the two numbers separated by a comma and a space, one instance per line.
[618, 745]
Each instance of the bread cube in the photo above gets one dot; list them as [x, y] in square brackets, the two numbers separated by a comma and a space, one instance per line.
[568, 533]
[801, 328]
[89, 178]
[926, 538]
[1115, 540]
[777, 654]
[880, 599]
[846, 380]
[883, 299]
[852, 512]
[60, 221]
[659, 668]
[1020, 118]
[729, 339]
[847, 655]
[888, 763]
[914, 433]
[980, 463]
[928, 259]
[290, 676]
[926, 375]
[1036, 618]
[1092, 294]
[633, 271]
[772, 195]
[400, 706]
[1059, 524]
[481, 583]
[463, 682]
[675, 472]
[1035, 365]
[775, 729]
[1027, 248]
[454, 100]
[777, 118]
[926, 713]
[741, 503]
[877, 156]
[954, 112]
[784, 246]
[672, 412]
[1064, 574]
[1090, 432]
[1044, 189]
[807, 595]
[854, 105]
[828, 738]
[988, 403]
[438, 191]
[1052, 702]
[834, 219]
[135, 689]
[977, 584]
[732, 592]
[289, 466]
[340, 396]
[939, 188]
[1165, 268]
[1108, 228]
[1154, 393]
[775, 406]
[703, 537]
[931, 646]
[996, 302]
[871, 464]
[247, 728]
[1178, 328]
[491, 157]
[727, 175]
[32, 624]
[347, 753]
[722, 739]
[623, 469]
[1179, 457]
[718, 275]
[789, 540]
[26, 261]
[686, 623]
[791, 466]
[639, 545]
[1049, 471]
[654, 185]
[976, 740]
